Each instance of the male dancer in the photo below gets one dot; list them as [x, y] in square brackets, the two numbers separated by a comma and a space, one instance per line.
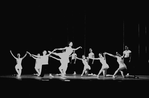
[127, 57]
[91, 56]
[18, 66]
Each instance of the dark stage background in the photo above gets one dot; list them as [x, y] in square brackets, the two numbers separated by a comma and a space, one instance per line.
[37, 27]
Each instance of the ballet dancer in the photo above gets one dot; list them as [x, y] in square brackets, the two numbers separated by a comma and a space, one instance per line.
[120, 60]
[86, 65]
[40, 61]
[18, 66]
[67, 51]
[91, 56]
[64, 60]
[73, 57]
[127, 57]
[105, 66]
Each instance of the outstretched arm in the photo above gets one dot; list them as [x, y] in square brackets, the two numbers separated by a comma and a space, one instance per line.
[54, 57]
[24, 55]
[95, 58]
[33, 56]
[12, 54]
[110, 54]
[77, 48]
[78, 58]
[59, 48]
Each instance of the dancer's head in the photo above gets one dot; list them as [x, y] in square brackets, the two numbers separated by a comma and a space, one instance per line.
[83, 56]
[44, 52]
[126, 47]
[38, 54]
[18, 55]
[90, 49]
[70, 44]
[118, 54]
[100, 55]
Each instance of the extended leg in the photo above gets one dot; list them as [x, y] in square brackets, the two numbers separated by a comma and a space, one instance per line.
[115, 73]
[99, 72]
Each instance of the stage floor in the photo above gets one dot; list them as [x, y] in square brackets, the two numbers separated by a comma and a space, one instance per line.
[69, 77]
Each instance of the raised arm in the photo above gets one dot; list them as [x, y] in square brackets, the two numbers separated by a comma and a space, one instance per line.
[12, 54]
[33, 56]
[24, 55]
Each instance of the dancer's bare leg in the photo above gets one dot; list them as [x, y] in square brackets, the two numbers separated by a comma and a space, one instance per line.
[18, 70]
[115, 72]
[122, 74]
[39, 69]
[83, 71]
[99, 72]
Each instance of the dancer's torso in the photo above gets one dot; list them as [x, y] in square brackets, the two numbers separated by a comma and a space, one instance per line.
[120, 62]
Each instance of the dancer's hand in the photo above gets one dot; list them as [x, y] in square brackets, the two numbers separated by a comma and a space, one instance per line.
[28, 53]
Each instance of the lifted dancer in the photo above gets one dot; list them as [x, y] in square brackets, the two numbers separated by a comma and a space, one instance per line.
[105, 66]
[18, 66]
[120, 60]
[86, 65]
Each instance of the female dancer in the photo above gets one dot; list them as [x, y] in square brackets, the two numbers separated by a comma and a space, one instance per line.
[18, 66]
[38, 63]
[105, 66]
[86, 65]
[120, 60]
[64, 60]
[65, 56]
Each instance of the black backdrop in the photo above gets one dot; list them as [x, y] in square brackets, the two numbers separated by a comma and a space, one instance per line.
[37, 27]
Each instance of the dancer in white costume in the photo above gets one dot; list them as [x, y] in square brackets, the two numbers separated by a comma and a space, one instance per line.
[65, 57]
[120, 60]
[91, 56]
[40, 60]
[86, 65]
[64, 60]
[38, 63]
[105, 66]
[18, 66]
